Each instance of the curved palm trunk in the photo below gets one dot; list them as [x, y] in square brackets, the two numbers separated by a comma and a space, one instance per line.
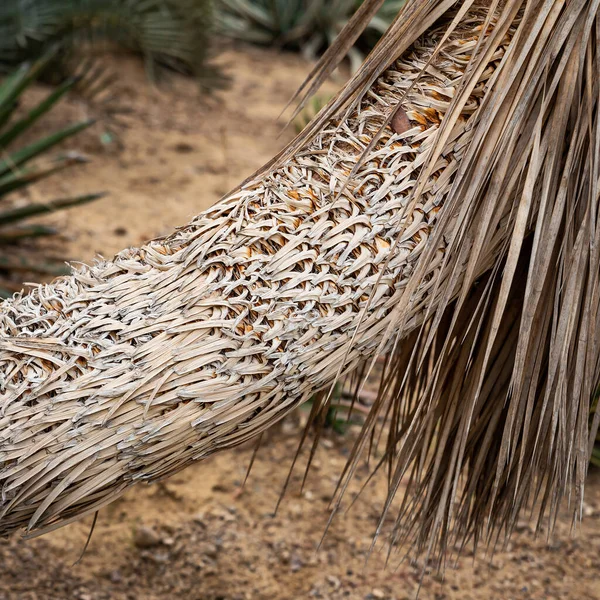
[131, 369]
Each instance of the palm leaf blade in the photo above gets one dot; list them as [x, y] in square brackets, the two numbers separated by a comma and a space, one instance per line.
[24, 155]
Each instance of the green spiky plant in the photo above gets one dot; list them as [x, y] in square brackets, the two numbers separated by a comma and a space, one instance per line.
[306, 25]
[164, 32]
[18, 170]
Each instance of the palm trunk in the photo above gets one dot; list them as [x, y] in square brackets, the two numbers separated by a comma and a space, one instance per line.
[131, 369]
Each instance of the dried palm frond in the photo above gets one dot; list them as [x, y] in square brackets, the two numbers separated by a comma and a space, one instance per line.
[442, 207]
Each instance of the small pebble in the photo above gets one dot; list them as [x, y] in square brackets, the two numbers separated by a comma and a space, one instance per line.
[183, 148]
[145, 537]
[296, 564]
[115, 576]
[588, 510]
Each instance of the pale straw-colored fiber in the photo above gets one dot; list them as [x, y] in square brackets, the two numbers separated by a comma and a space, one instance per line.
[442, 209]
[129, 370]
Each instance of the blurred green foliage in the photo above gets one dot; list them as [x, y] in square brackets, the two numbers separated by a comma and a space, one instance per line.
[306, 25]
[18, 170]
[173, 33]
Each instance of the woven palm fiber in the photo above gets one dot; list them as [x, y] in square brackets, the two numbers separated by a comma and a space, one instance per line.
[131, 369]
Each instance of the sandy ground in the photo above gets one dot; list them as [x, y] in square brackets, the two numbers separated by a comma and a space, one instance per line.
[173, 152]
[199, 535]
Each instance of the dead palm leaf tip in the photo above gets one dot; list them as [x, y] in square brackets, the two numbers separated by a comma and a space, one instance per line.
[465, 246]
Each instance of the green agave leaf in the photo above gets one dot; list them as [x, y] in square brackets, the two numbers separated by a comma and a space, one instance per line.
[33, 265]
[10, 89]
[23, 177]
[14, 84]
[289, 13]
[13, 234]
[253, 11]
[24, 155]
[308, 25]
[31, 210]
[41, 109]
[15, 174]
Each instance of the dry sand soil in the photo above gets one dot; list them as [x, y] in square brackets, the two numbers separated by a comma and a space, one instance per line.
[200, 535]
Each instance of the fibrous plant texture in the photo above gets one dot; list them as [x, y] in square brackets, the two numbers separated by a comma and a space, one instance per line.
[442, 208]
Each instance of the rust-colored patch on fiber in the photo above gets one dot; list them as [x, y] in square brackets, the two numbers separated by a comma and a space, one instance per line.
[400, 121]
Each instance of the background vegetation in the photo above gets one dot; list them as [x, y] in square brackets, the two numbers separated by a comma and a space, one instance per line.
[309, 26]
[177, 33]
[19, 169]
[165, 32]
